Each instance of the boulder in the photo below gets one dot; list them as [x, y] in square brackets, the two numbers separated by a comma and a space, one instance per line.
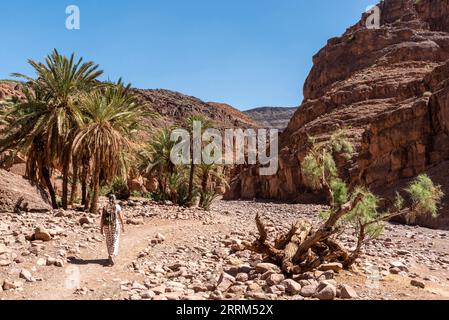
[291, 286]
[25, 274]
[326, 291]
[347, 292]
[40, 233]
[19, 194]
[225, 282]
[85, 220]
[418, 284]
[308, 291]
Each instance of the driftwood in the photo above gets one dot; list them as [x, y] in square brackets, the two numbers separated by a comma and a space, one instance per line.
[302, 249]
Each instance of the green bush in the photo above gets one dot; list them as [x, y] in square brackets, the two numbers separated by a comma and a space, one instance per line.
[425, 197]
[119, 188]
[207, 198]
[139, 194]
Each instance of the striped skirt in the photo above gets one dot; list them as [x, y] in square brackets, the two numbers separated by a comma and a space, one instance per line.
[112, 234]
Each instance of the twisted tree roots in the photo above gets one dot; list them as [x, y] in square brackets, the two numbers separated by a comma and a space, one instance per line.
[301, 250]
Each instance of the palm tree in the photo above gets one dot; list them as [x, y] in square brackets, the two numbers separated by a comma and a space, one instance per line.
[27, 131]
[205, 124]
[210, 177]
[155, 159]
[59, 83]
[110, 118]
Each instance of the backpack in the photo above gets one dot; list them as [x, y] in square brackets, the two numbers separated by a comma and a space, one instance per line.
[109, 215]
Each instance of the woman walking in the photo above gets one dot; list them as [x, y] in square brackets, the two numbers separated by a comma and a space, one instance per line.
[111, 227]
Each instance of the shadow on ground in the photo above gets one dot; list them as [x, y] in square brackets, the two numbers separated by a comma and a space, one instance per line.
[78, 261]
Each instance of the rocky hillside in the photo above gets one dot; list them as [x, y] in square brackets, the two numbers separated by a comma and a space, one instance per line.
[169, 107]
[10, 89]
[16, 193]
[389, 86]
[272, 117]
[174, 107]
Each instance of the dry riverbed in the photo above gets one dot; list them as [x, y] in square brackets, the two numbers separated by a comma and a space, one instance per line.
[176, 253]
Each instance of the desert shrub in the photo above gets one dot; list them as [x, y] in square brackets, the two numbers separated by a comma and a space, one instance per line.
[178, 189]
[141, 194]
[207, 198]
[119, 188]
[425, 198]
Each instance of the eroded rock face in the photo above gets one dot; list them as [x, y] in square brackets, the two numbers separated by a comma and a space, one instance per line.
[388, 85]
[9, 89]
[18, 194]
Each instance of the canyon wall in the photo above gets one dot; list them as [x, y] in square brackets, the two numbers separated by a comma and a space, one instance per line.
[388, 87]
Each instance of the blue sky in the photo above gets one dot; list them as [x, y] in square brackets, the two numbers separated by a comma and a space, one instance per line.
[247, 53]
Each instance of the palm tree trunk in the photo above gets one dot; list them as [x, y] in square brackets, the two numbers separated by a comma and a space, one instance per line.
[74, 189]
[192, 174]
[96, 189]
[84, 173]
[51, 190]
[65, 182]
[87, 202]
[204, 184]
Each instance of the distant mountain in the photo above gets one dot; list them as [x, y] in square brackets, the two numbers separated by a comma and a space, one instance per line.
[272, 117]
[173, 108]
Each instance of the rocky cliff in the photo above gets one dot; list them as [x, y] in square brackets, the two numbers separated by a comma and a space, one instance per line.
[272, 117]
[18, 194]
[9, 89]
[388, 86]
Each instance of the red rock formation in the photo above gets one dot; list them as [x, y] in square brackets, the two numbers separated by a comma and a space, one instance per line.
[10, 89]
[388, 85]
[17, 193]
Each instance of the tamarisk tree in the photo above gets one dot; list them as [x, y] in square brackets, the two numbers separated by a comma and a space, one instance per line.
[352, 210]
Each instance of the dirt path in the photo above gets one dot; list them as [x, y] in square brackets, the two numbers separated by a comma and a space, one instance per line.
[90, 270]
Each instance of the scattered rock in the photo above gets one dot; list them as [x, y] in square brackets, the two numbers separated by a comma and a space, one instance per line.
[135, 221]
[308, 291]
[8, 285]
[242, 277]
[148, 294]
[40, 233]
[25, 274]
[225, 282]
[334, 266]
[326, 291]
[291, 286]
[41, 262]
[347, 292]
[417, 283]
[398, 265]
[3, 249]
[395, 270]
[275, 279]
[59, 263]
[265, 267]
[4, 263]
[85, 220]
